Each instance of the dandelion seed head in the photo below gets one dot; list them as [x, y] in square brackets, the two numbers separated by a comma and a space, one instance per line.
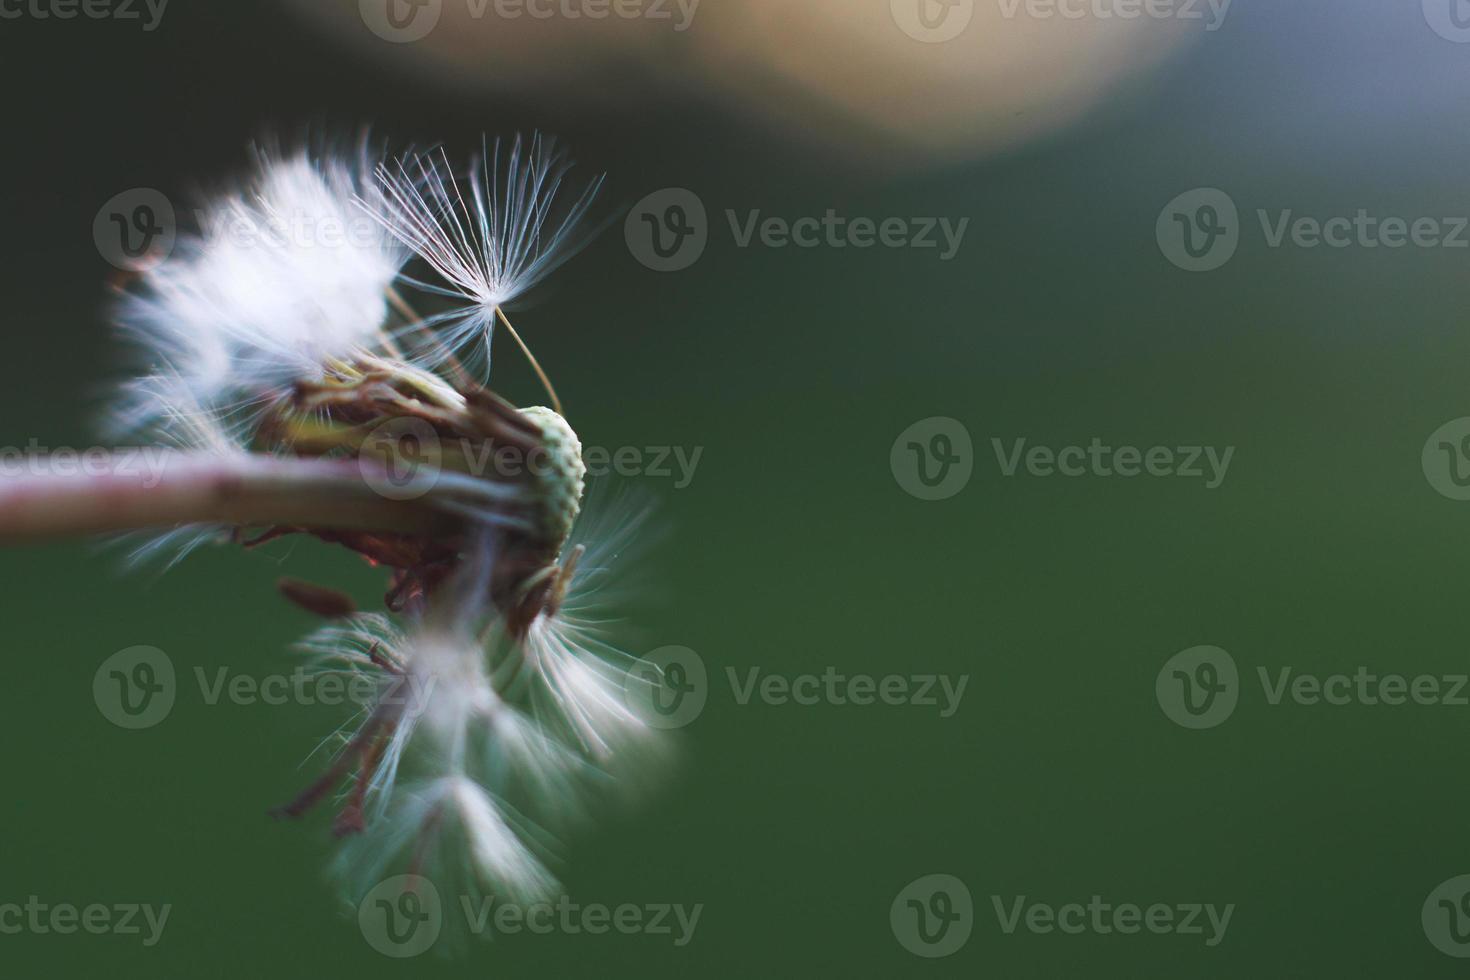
[499, 706]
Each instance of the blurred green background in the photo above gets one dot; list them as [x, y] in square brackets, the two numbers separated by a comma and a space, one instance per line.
[795, 548]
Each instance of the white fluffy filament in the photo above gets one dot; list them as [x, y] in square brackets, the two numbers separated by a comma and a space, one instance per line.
[491, 236]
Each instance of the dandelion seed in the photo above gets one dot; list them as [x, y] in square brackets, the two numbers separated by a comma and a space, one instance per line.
[490, 237]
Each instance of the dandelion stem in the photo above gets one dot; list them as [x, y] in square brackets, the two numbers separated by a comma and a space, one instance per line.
[130, 494]
[535, 364]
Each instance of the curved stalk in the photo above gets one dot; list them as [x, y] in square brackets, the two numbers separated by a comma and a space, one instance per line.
[118, 494]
